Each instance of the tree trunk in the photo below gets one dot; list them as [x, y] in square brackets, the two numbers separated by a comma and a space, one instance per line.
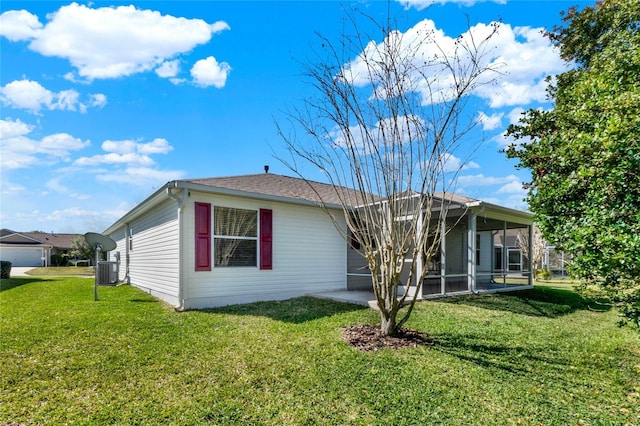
[388, 325]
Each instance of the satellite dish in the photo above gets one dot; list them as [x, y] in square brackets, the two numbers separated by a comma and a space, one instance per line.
[98, 243]
[94, 240]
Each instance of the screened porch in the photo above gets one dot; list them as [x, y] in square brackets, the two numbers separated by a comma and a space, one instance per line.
[484, 250]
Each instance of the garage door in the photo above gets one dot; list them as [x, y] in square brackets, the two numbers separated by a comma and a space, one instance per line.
[22, 256]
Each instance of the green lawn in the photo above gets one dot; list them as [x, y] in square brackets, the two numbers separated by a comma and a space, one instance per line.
[536, 357]
[60, 271]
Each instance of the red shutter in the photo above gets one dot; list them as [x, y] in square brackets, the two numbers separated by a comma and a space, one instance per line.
[266, 239]
[203, 236]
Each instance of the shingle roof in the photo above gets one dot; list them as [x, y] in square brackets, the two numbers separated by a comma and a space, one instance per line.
[57, 240]
[455, 198]
[297, 188]
[281, 186]
[62, 241]
[5, 231]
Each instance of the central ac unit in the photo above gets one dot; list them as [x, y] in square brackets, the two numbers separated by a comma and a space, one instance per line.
[107, 273]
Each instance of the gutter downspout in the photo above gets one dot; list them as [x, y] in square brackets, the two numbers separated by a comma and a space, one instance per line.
[180, 201]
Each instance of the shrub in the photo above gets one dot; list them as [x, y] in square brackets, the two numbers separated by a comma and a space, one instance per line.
[5, 269]
[544, 274]
[59, 260]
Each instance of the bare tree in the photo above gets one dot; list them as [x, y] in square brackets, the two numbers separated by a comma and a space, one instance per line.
[386, 124]
[538, 246]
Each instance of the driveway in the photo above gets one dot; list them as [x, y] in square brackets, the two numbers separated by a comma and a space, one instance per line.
[20, 271]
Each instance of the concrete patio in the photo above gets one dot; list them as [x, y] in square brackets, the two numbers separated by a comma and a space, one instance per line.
[362, 298]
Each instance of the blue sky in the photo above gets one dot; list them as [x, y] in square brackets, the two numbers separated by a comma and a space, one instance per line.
[104, 102]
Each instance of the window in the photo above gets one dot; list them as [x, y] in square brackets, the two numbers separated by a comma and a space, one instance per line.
[235, 237]
[515, 260]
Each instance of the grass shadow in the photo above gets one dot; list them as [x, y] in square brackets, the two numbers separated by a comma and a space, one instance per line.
[518, 360]
[296, 311]
[9, 283]
[545, 302]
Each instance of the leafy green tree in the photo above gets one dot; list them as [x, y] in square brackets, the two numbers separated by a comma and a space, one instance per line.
[80, 248]
[584, 153]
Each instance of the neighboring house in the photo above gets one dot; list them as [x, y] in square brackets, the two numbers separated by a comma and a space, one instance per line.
[33, 248]
[508, 251]
[211, 242]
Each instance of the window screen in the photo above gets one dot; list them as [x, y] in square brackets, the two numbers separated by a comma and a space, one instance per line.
[235, 236]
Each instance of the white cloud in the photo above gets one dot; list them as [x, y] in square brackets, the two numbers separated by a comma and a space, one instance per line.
[119, 147]
[208, 72]
[482, 180]
[168, 69]
[19, 25]
[112, 158]
[55, 185]
[66, 100]
[490, 122]
[423, 4]
[514, 117]
[71, 77]
[127, 152]
[455, 164]
[513, 187]
[32, 96]
[97, 100]
[381, 134]
[92, 39]
[141, 176]
[501, 190]
[26, 94]
[21, 151]
[156, 146]
[510, 93]
[8, 188]
[72, 213]
[522, 55]
[12, 129]
[59, 145]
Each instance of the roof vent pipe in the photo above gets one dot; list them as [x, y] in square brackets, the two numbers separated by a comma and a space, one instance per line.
[266, 168]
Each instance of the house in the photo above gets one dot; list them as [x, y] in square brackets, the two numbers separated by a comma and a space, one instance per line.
[33, 248]
[201, 243]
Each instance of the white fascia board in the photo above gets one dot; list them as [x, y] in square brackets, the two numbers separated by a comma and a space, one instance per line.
[25, 245]
[494, 211]
[18, 234]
